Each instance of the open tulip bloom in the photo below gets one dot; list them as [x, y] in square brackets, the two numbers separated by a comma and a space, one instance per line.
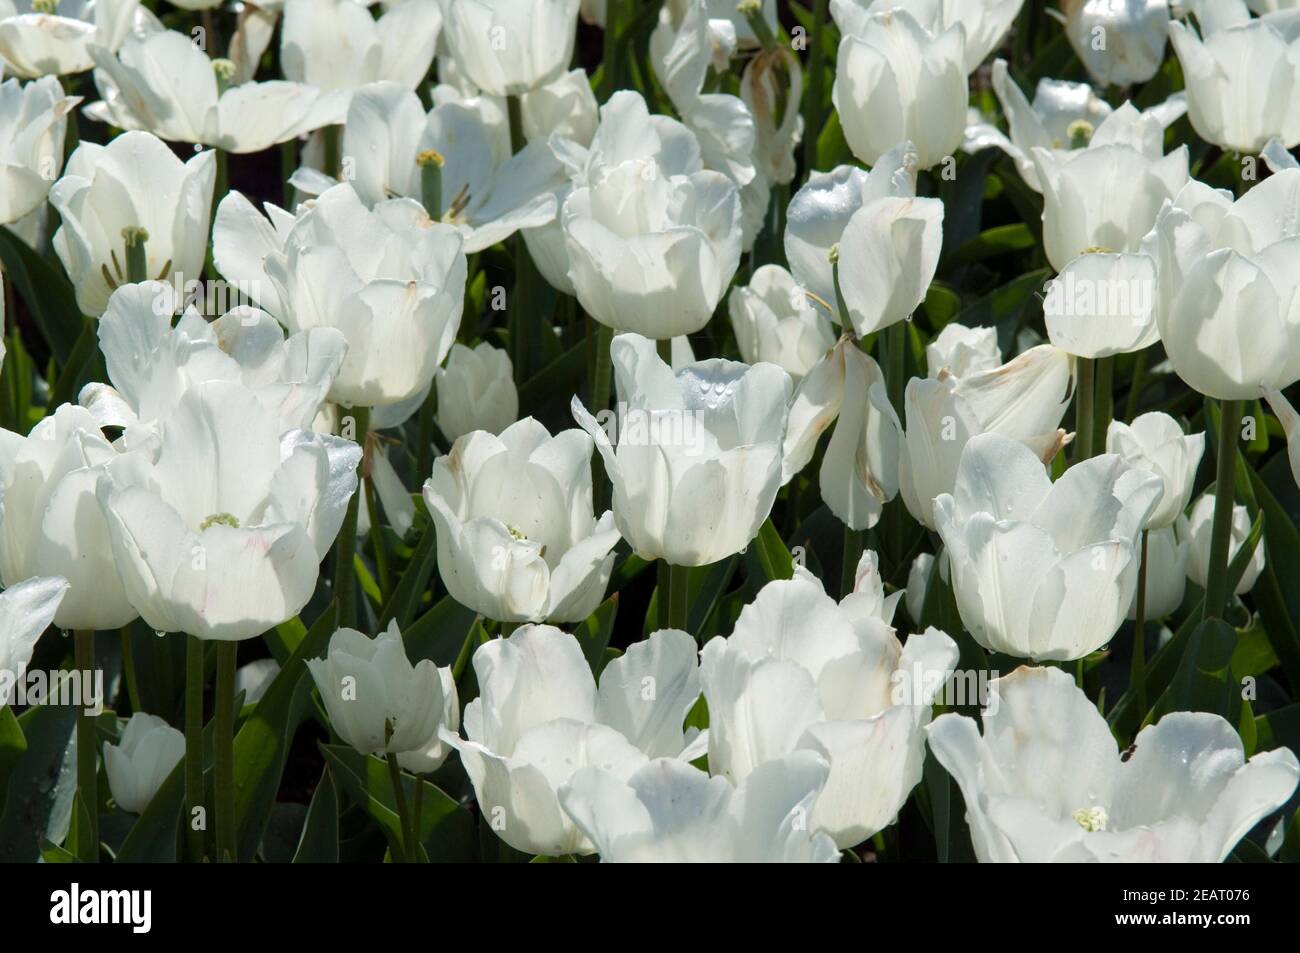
[466, 431]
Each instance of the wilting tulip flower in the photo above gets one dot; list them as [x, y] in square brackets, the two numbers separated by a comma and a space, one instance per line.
[1120, 41]
[1043, 570]
[162, 83]
[391, 279]
[221, 534]
[55, 39]
[697, 463]
[801, 672]
[133, 182]
[1023, 399]
[476, 391]
[381, 704]
[565, 108]
[1242, 79]
[541, 717]
[145, 754]
[859, 472]
[1065, 117]
[671, 812]
[772, 87]
[962, 351]
[774, 321]
[896, 80]
[508, 47]
[1046, 781]
[985, 22]
[26, 611]
[1167, 553]
[1201, 529]
[517, 540]
[51, 525]
[1226, 286]
[337, 44]
[1156, 442]
[33, 123]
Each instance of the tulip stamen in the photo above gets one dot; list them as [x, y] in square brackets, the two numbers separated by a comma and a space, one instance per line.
[117, 265]
[223, 519]
[1091, 819]
[164, 270]
[108, 278]
[458, 204]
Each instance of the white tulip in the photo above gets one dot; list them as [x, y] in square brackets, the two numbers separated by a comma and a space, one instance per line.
[221, 534]
[51, 525]
[774, 321]
[1167, 553]
[1103, 304]
[380, 703]
[697, 464]
[146, 753]
[1226, 302]
[772, 88]
[162, 83]
[1200, 525]
[859, 471]
[476, 391]
[26, 611]
[34, 43]
[1046, 781]
[918, 584]
[1121, 42]
[337, 44]
[33, 123]
[508, 47]
[896, 80]
[671, 812]
[1156, 442]
[517, 540]
[1043, 570]
[541, 717]
[133, 182]
[963, 351]
[802, 672]
[985, 22]
[1023, 399]
[566, 107]
[1290, 422]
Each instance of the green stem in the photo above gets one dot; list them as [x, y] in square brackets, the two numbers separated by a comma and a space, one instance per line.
[664, 348]
[1135, 388]
[1138, 669]
[224, 746]
[424, 453]
[752, 11]
[194, 745]
[129, 673]
[678, 596]
[333, 140]
[409, 851]
[816, 94]
[515, 110]
[1084, 398]
[83, 650]
[1216, 583]
[377, 542]
[1103, 401]
[609, 70]
[841, 308]
[345, 575]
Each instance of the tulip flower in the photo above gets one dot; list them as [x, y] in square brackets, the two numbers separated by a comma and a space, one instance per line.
[33, 122]
[1102, 304]
[1290, 422]
[565, 108]
[1242, 79]
[772, 87]
[517, 540]
[36, 41]
[381, 704]
[541, 717]
[1120, 43]
[859, 472]
[802, 672]
[1065, 117]
[221, 534]
[337, 44]
[671, 812]
[26, 611]
[1225, 287]
[1155, 442]
[774, 321]
[146, 753]
[897, 80]
[1166, 569]
[1046, 781]
[1200, 529]
[1043, 570]
[1023, 399]
[163, 84]
[509, 47]
[133, 182]
[918, 584]
[963, 351]
[51, 525]
[985, 22]
[697, 462]
[476, 391]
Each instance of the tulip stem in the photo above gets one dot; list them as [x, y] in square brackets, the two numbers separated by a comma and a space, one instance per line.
[664, 348]
[608, 74]
[129, 673]
[345, 575]
[679, 578]
[752, 11]
[600, 387]
[377, 542]
[816, 96]
[408, 852]
[1135, 388]
[194, 746]
[83, 652]
[1138, 670]
[1216, 581]
[516, 113]
[1103, 400]
[332, 137]
[1084, 397]
[224, 744]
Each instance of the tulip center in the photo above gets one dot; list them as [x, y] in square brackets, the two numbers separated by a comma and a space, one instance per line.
[224, 519]
[1080, 132]
[1091, 819]
[44, 6]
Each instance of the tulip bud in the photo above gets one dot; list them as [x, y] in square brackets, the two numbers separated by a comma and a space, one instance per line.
[1155, 442]
[476, 391]
[146, 753]
[1200, 528]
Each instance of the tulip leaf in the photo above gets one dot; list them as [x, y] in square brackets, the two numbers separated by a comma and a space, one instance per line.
[1203, 680]
[439, 633]
[1278, 729]
[1279, 607]
[446, 829]
[594, 632]
[406, 596]
[319, 843]
[79, 841]
[773, 556]
[941, 306]
[37, 781]
[1290, 852]
[49, 295]
[12, 747]
[707, 584]
[154, 837]
[999, 240]
[554, 379]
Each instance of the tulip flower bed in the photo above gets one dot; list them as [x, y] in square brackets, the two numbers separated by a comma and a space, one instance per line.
[485, 430]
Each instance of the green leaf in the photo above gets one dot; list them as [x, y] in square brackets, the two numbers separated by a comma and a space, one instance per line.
[1000, 240]
[1278, 606]
[320, 833]
[1278, 729]
[406, 597]
[155, 836]
[707, 584]
[1203, 680]
[773, 556]
[593, 632]
[34, 781]
[49, 295]
[12, 747]
[439, 633]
